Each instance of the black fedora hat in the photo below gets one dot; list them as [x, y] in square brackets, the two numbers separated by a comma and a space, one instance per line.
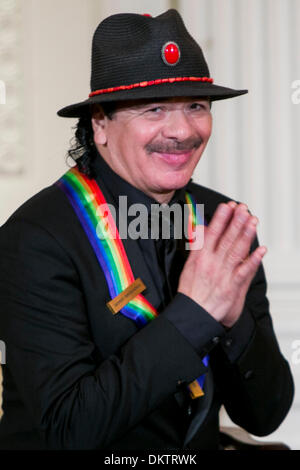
[139, 57]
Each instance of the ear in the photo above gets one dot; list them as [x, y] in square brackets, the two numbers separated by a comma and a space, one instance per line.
[99, 121]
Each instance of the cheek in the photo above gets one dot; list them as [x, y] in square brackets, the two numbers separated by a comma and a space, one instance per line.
[203, 126]
[136, 138]
[127, 145]
[143, 134]
[117, 140]
[207, 127]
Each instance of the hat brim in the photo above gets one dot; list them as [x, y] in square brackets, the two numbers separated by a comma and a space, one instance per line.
[165, 90]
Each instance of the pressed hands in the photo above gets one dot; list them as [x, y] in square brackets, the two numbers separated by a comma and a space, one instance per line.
[218, 275]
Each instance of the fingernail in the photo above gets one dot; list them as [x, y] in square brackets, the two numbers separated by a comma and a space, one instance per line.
[260, 253]
[223, 209]
[254, 221]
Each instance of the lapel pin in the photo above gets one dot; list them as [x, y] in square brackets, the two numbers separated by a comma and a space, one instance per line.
[126, 296]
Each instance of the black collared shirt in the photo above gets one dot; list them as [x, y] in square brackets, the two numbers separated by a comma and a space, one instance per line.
[174, 305]
[157, 252]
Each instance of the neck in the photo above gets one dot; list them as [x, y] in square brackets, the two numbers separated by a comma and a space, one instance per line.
[162, 198]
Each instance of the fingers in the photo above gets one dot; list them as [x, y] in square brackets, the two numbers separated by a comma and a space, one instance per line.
[198, 238]
[246, 271]
[230, 234]
[225, 226]
[218, 225]
[240, 246]
[234, 229]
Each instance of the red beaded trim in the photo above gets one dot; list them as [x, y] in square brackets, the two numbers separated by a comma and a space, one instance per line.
[150, 83]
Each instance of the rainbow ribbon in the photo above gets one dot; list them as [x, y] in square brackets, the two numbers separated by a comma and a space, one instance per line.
[99, 225]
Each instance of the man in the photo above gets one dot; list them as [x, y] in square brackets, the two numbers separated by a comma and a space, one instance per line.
[94, 359]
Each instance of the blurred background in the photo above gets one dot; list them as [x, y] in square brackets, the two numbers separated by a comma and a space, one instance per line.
[252, 155]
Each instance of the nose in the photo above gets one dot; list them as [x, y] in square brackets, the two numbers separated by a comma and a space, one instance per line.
[178, 126]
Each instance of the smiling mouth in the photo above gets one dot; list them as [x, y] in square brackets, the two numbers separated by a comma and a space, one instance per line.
[175, 158]
[175, 153]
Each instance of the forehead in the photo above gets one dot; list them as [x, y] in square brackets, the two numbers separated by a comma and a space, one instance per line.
[147, 102]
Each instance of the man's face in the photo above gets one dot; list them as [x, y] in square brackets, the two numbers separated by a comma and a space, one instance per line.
[154, 145]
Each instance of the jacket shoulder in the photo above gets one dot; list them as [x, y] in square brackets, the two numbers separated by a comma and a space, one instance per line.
[209, 197]
[40, 205]
[48, 204]
[51, 211]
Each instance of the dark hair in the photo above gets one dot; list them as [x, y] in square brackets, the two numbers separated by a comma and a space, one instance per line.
[83, 150]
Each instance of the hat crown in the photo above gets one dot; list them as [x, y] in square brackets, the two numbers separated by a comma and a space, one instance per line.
[127, 48]
[140, 57]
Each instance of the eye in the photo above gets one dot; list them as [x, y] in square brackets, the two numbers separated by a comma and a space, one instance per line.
[155, 110]
[195, 106]
[198, 106]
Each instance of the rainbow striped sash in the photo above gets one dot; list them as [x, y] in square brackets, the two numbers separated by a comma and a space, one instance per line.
[99, 225]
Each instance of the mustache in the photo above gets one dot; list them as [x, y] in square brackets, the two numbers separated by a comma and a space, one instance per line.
[175, 146]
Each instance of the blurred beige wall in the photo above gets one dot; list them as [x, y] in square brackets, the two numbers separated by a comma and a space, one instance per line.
[253, 154]
[52, 59]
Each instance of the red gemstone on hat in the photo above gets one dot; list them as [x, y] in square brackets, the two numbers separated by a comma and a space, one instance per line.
[147, 14]
[171, 53]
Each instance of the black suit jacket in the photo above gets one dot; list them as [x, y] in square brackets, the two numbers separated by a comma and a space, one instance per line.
[77, 377]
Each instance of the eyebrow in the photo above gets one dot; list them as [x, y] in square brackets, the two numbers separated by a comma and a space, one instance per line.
[148, 104]
[166, 101]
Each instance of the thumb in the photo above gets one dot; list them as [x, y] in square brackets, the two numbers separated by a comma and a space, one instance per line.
[196, 241]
